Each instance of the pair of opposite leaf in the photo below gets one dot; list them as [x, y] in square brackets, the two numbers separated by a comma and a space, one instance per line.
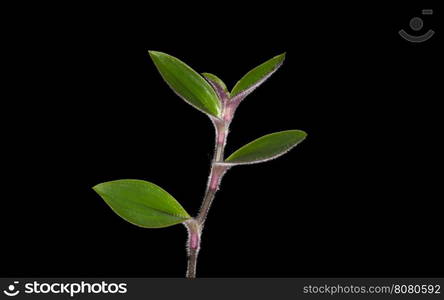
[146, 204]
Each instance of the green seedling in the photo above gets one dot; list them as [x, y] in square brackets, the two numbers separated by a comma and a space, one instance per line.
[147, 205]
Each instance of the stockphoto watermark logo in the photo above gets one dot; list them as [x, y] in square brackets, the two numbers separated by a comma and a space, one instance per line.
[12, 289]
[70, 289]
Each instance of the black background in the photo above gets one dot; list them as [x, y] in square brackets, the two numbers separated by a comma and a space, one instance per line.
[359, 197]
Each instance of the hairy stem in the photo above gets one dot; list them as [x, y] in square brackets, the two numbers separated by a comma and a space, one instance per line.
[193, 246]
[217, 171]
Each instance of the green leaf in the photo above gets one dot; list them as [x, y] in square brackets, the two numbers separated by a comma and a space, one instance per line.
[219, 87]
[257, 76]
[142, 203]
[187, 83]
[213, 78]
[268, 147]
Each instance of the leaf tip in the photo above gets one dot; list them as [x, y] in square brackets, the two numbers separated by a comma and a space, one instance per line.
[157, 55]
[281, 57]
[300, 135]
[300, 132]
[153, 54]
[98, 188]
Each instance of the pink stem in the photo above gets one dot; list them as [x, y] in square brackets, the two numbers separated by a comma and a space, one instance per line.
[194, 241]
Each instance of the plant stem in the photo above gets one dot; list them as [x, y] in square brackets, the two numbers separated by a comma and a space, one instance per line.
[217, 171]
[193, 246]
